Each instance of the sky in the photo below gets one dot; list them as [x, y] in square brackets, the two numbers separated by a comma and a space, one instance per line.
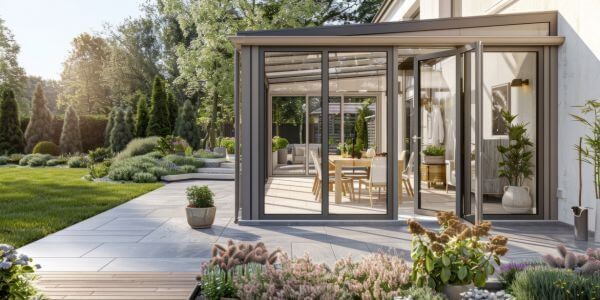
[45, 28]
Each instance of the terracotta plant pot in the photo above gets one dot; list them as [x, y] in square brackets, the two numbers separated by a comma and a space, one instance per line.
[516, 200]
[200, 217]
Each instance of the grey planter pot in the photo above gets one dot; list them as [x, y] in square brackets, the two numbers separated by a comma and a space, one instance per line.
[282, 156]
[580, 222]
[433, 159]
[200, 217]
[453, 291]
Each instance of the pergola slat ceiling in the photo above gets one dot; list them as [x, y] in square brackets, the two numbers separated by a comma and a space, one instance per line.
[284, 67]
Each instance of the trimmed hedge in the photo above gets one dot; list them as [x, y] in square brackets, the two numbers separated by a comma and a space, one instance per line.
[45, 147]
[91, 126]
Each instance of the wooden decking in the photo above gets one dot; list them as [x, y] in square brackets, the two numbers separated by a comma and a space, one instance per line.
[116, 285]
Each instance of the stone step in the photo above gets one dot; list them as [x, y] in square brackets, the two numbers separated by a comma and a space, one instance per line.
[230, 165]
[205, 176]
[216, 170]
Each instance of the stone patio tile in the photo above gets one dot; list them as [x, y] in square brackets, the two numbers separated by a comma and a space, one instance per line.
[355, 250]
[155, 265]
[401, 249]
[151, 250]
[91, 223]
[72, 264]
[58, 249]
[55, 238]
[144, 223]
[319, 252]
[103, 232]
[178, 231]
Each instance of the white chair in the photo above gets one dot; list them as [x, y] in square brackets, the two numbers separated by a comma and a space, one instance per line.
[377, 178]
[318, 182]
[407, 173]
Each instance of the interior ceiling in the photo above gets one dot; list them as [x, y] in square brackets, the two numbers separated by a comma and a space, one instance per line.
[286, 67]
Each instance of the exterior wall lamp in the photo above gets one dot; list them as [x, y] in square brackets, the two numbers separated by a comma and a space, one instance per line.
[519, 82]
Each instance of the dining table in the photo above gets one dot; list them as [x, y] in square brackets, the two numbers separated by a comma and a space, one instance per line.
[340, 162]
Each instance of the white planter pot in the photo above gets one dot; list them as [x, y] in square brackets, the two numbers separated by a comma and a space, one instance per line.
[275, 159]
[433, 159]
[516, 200]
[597, 223]
[200, 217]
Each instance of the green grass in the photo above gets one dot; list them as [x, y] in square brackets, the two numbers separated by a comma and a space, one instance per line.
[35, 202]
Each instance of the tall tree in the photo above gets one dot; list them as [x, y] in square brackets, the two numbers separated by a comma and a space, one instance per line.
[51, 90]
[186, 125]
[83, 84]
[173, 110]
[119, 135]
[70, 137]
[158, 120]
[12, 76]
[11, 135]
[40, 124]
[141, 117]
[130, 122]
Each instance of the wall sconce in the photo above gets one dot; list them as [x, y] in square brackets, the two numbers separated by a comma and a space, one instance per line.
[519, 82]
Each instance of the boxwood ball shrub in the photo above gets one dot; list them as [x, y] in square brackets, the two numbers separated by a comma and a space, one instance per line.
[77, 162]
[46, 147]
[200, 196]
[144, 177]
[186, 169]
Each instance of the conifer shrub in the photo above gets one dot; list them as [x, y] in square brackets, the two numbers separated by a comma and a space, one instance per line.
[109, 126]
[70, 137]
[40, 124]
[158, 119]
[186, 126]
[11, 135]
[141, 117]
[46, 147]
[120, 134]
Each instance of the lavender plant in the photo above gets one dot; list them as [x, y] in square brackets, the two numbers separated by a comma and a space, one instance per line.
[584, 264]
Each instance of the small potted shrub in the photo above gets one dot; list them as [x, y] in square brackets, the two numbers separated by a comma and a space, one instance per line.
[280, 146]
[516, 166]
[201, 209]
[434, 155]
[456, 257]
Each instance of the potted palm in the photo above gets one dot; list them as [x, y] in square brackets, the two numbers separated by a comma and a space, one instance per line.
[590, 153]
[580, 213]
[201, 209]
[434, 155]
[516, 166]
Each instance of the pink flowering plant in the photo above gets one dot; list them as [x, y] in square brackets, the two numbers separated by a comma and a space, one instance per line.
[16, 274]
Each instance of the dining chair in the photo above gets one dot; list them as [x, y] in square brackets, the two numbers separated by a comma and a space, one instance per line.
[407, 173]
[318, 182]
[377, 178]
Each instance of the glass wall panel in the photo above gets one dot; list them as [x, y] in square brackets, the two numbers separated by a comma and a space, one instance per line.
[358, 167]
[292, 86]
[437, 160]
[509, 86]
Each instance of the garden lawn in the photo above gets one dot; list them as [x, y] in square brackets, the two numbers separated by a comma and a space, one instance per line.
[35, 202]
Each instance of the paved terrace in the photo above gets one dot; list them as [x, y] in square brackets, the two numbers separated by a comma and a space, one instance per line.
[150, 234]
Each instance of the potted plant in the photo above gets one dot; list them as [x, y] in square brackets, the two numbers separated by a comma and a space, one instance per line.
[515, 165]
[201, 210]
[590, 153]
[434, 154]
[580, 213]
[280, 151]
[456, 257]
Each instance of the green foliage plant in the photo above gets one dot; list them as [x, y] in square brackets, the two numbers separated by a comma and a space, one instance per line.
[77, 162]
[100, 154]
[361, 128]
[171, 144]
[207, 154]
[16, 274]
[279, 143]
[3, 160]
[143, 177]
[434, 151]
[591, 151]
[229, 144]
[186, 169]
[173, 111]
[200, 196]
[516, 163]
[158, 119]
[70, 137]
[40, 124]
[45, 147]
[109, 126]
[98, 170]
[457, 254]
[138, 146]
[217, 284]
[554, 284]
[15, 158]
[11, 135]
[141, 117]
[186, 126]
[120, 135]
[34, 160]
